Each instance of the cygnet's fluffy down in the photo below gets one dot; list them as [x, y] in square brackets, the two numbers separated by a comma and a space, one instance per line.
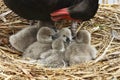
[43, 43]
[55, 57]
[80, 50]
[22, 39]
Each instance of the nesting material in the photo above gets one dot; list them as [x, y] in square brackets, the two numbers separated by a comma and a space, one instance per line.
[12, 67]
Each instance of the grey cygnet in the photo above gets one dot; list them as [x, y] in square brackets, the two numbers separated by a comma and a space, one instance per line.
[54, 58]
[43, 43]
[81, 49]
[22, 39]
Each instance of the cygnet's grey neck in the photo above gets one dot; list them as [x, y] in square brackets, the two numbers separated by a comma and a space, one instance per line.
[58, 44]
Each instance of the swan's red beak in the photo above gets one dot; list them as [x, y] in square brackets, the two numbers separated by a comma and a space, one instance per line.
[61, 14]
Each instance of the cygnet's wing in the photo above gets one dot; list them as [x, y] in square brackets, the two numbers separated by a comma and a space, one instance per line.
[34, 50]
[54, 60]
[88, 51]
[23, 38]
[77, 59]
[45, 54]
[49, 61]
[93, 52]
[79, 53]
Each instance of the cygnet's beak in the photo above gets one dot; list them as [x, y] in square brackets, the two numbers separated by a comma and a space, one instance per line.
[54, 28]
[68, 40]
[55, 36]
[73, 37]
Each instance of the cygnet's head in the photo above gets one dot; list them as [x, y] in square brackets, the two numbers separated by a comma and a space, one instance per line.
[65, 34]
[45, 34]
[83, 36]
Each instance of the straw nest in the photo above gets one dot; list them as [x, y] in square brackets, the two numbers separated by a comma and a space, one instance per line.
[105, 30]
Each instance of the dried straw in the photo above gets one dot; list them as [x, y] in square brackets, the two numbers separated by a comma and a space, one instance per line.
[106, 66]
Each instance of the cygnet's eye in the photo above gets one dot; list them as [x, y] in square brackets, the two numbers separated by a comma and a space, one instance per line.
[49, 35]
[64, 36]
